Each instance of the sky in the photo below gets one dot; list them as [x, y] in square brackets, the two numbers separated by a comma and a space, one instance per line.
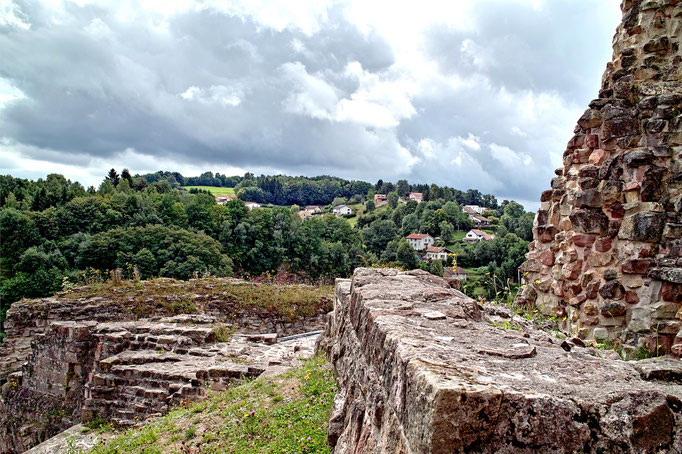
[479, 94]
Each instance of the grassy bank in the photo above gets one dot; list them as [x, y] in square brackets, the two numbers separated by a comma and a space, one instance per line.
[282, 414]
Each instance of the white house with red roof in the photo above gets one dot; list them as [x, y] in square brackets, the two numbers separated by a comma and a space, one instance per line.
[479, 220]
[436, 253]
[420, 241]
[475, 235]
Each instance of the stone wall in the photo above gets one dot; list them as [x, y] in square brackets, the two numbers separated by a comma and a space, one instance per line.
[423, 369]
[607, 249]
[70, 360]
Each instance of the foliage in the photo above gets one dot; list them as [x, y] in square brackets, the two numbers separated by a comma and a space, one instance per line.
[55, 232]
[405, 255]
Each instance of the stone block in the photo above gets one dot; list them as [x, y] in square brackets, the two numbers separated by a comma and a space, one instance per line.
[664, 310]
[642, 226]
[589, 220]
[612, 290]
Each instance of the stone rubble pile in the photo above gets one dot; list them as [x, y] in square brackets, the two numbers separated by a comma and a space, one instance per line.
[423, 369]
[607, 249]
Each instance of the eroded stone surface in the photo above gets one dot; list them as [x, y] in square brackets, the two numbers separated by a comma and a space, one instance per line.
[619, 195]
[412, 384]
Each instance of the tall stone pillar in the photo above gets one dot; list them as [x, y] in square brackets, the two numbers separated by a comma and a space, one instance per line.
[607, 247]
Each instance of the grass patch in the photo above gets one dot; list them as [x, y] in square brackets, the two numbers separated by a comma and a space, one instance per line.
[165, 296]
[216, 191]
[223, 332]
[286, 413]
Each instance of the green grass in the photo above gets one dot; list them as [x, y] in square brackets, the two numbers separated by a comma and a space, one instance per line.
[215, 190]
[358, 209]
[285, 413]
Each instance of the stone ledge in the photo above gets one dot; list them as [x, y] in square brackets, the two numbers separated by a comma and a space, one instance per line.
[411, 383]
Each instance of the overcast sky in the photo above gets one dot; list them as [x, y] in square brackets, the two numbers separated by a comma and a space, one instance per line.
[470, 93]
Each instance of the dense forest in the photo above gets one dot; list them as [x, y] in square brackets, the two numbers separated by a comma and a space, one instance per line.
[56, 233]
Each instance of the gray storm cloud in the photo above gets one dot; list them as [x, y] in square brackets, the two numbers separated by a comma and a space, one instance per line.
[487, 105]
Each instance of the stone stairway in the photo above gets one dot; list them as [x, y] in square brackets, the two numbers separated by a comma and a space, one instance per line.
[144, 368]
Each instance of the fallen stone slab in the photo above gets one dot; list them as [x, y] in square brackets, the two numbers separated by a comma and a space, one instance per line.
[410, 384]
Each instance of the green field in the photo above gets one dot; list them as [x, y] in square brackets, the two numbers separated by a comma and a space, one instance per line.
[215, 190]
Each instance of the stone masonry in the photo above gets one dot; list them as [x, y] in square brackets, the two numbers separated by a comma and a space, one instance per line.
[607, 249]
[423, 369]
[69, 360]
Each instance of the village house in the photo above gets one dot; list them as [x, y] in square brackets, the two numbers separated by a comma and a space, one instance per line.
[305, 214]
[252, 205]
[437, 253]
[221, 200]
[416, 196]
[474, 216]
[313, 209]
[475, 208]
[458, 273]
[380, 200]
[420, 241]
[475, 235]
[342, 210]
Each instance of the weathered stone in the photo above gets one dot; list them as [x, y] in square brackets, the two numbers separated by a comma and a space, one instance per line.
[619, 127]
[673, 275]
[592, 289]
[547, 258]
[457, 396]
[636, 266]
[590, 119]
[613, 309]
[109, 365]
[582, 240]
[612, 290]
[671, 292]
[602, 245]
[589, 220]
[643, 226]
[597, 259]
[588, 198]
[664, 310]
[631, 297]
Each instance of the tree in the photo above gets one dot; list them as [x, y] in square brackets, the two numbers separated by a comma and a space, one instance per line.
[125, 175]
[338, 201]
[406, 256]
[410, 224]
[392, 199]
[436, 267]
[402, 187]
[113, 177]
[369, 206]
[524, 226]
[378, 234]
[446, 232]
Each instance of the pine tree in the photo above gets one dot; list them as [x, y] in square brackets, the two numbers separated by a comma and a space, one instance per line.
[113, 177]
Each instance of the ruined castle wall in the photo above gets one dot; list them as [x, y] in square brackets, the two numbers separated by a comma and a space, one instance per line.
[607, 249]
[423, 369]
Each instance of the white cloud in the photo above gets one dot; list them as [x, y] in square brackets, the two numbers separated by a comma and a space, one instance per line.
[11, 16]
[215, 94]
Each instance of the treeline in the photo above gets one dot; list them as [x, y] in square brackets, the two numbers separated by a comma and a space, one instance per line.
[320, 190]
